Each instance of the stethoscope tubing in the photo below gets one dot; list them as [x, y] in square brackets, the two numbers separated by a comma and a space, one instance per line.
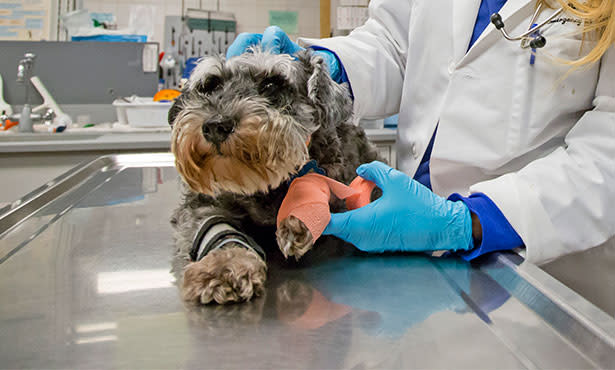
[496, 19]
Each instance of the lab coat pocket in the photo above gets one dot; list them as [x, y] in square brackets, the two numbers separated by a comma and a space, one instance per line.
[522, 101]
[548, 97]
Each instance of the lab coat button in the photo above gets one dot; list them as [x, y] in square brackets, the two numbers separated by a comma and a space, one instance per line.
[451, 68]
[414, 151]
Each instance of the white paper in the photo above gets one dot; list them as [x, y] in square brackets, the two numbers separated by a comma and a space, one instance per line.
[25, 19]
[150, 58]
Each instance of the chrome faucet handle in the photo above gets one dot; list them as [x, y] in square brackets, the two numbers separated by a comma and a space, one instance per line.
[49, 116]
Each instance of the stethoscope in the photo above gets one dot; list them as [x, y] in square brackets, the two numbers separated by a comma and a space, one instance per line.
[532, 38]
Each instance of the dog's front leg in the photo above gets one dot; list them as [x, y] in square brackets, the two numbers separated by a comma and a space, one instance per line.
[223, 264]
[294, 238]
[229, 274]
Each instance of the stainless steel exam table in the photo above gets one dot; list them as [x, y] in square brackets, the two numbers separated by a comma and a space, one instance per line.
[85, 282]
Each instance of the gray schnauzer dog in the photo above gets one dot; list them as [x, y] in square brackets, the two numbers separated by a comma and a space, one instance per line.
[242, 129]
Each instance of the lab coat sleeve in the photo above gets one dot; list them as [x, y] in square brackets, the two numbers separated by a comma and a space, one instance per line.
[564, 202]
[374, 57]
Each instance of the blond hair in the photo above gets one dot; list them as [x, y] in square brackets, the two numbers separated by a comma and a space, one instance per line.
[598, 18]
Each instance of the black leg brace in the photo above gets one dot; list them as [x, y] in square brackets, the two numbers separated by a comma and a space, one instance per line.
[215, 232]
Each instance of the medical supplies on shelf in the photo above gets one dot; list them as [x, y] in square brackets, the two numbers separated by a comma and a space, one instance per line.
[142, 111]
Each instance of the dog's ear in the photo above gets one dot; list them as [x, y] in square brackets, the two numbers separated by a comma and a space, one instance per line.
[177, 107]
[333, 98]
[333, 108]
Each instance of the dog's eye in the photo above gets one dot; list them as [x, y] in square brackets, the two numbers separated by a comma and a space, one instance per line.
[211, 84]
[271, 87]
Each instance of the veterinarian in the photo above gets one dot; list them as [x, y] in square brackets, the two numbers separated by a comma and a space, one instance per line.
[499, 145]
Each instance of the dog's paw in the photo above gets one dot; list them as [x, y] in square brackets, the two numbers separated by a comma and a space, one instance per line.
[294, 238]
[231, 274]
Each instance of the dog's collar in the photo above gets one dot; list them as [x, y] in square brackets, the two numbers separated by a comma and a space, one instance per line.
[215, 232]
[310, 167]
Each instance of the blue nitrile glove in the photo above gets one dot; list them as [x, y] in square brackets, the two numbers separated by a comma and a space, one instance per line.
[243, 42]
[276, 41]
[408, 217]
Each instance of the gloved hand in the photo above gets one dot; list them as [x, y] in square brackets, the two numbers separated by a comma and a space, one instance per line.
[408, 217]
[242, 43]
[276, 41]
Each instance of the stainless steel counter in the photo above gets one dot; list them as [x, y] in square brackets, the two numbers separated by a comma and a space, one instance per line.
[108, 139]
[85, 282]
[27, 160]
[85, 141]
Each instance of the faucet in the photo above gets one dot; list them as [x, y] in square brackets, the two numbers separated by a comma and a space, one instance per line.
[52, 112]
[24, 73]
[25, 67]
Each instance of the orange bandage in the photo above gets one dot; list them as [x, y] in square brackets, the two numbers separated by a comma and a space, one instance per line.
[308, 199]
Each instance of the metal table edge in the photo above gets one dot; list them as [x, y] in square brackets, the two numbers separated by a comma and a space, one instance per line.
[594, 319]
[18, 211]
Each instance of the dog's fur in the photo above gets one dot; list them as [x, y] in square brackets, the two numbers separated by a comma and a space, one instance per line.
[284, 111]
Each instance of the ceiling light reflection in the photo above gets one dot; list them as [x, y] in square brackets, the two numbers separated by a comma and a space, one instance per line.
[99, 339]
[128, 281]
[89, 328]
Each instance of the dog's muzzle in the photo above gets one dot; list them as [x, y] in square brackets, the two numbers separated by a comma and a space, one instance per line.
[217, 129]
[215, 232]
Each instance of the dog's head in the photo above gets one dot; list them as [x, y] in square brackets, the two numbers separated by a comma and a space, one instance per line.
[243, 125]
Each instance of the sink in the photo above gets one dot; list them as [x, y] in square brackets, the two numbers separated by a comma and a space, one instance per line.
[17, 137]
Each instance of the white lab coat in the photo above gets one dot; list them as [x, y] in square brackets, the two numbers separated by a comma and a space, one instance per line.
[540, 146]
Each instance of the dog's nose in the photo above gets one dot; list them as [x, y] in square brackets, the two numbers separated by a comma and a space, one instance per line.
[217, 129]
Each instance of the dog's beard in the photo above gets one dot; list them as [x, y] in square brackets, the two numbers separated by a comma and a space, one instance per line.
[266, 148]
